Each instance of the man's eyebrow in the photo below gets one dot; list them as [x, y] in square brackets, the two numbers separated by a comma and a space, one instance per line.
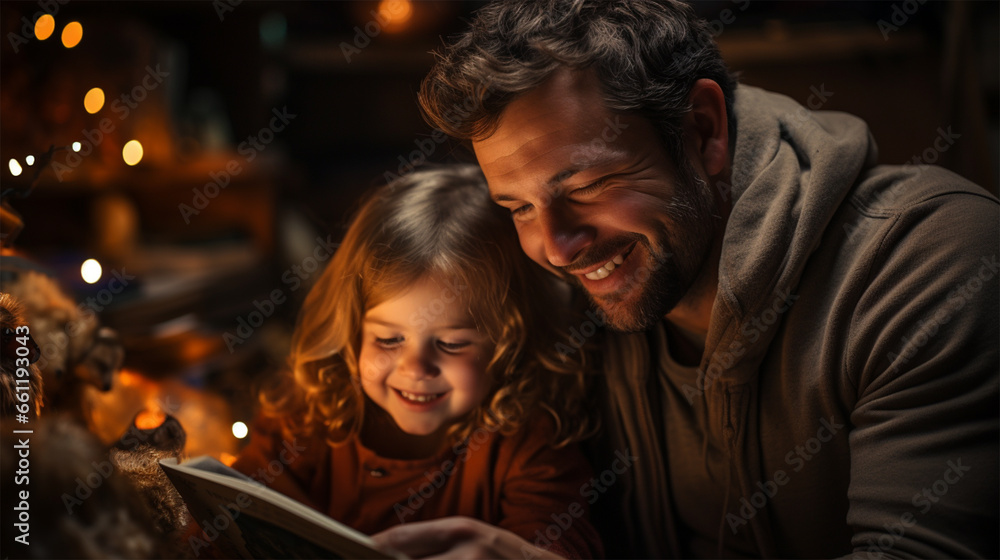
[503, 198]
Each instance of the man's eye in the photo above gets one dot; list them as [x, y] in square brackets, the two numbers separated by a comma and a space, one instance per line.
[389, 342]
[591, 188]
[520, 210]
[452, 346]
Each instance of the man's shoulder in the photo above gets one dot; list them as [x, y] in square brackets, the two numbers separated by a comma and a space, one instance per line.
[915, 220]
[886, 189]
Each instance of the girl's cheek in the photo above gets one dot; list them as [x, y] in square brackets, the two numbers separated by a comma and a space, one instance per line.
[372, 364]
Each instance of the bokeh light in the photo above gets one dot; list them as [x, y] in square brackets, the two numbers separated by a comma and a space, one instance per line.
[94, 100]
[273, 30]
[44, 26]
[240, 430]
[76, 146]
[395, 13]
[72, 34]
[15, 168]
[132, 152]
[91, 271]
[30, 160]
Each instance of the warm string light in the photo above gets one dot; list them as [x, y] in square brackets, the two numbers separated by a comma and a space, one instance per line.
[94, 100]
[72, 34]
[395, 12]
[91, 271]
[240, 430]
[44, 27]
[132, 152]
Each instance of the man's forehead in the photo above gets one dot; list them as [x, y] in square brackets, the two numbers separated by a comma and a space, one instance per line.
[565, 94]
[559, 115]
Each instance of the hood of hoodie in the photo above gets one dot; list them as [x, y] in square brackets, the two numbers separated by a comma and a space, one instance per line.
[792, 169]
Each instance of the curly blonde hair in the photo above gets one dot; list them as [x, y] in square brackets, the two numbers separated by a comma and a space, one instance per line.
[435, 222]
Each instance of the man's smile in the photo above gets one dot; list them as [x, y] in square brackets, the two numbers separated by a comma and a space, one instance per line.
[605, 270]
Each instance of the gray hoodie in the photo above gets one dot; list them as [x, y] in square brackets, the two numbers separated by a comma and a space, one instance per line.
[850, 376]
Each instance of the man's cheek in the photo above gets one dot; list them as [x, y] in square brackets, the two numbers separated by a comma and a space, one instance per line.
[535, 249]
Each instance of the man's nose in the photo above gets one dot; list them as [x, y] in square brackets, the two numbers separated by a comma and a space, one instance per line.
[564, 234]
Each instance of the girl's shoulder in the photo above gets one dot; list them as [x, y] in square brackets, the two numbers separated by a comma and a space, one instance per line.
[533, 436]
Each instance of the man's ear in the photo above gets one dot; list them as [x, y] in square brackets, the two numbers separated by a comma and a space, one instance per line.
[707, 126]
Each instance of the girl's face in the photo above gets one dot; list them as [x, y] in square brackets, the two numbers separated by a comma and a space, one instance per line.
[422, 359]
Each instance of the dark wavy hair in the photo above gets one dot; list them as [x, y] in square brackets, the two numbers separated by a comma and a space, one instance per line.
[647, 55]
[436, 222]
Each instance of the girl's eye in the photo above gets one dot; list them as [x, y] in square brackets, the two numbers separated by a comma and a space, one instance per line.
[452, 346]
[389, 342]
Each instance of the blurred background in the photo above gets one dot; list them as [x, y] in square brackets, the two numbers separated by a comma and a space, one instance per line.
[181, 170]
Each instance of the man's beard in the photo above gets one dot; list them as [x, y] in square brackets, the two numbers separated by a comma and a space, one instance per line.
[674, 260]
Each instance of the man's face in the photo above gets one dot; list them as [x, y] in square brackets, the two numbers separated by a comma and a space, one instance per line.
[595, 197]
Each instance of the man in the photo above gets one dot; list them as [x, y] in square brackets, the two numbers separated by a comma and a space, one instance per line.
[803, 351]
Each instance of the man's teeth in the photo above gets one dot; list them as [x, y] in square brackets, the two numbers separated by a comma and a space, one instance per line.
[605, 270]
[419, 398]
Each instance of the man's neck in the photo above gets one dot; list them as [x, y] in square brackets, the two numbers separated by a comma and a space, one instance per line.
[691, 316]
[688, 322]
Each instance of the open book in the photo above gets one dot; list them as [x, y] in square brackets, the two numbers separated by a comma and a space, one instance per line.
[245, 519]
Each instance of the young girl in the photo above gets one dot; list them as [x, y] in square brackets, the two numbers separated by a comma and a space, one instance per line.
[425, 380]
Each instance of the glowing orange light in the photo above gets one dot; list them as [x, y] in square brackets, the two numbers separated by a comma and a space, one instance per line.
[94, 100]
[129, 378]
[44, 26]
[72, 34]
[395, 13]
[150, 419]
